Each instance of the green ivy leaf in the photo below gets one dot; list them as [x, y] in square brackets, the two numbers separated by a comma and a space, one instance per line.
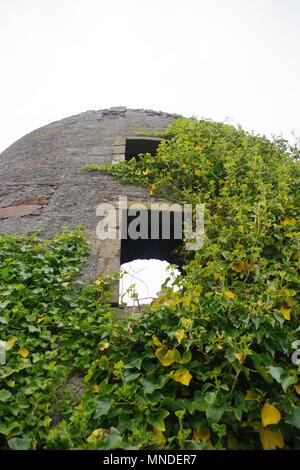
[5, 395]
[157, 419]
[294, 417]
[152, 382]
[113, 441]
[130, 376]
[18, 443]
[214, 413]
[102, 407]
[282, 377]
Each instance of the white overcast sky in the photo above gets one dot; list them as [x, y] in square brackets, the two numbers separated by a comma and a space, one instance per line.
[219, 59]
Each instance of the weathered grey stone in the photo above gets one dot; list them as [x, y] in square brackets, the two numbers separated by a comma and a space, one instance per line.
[118, 158]
[48, 162]
[120, 141]
[118, 109]
[118, 149]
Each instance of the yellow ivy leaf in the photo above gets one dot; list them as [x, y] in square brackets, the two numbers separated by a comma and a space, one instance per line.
[297, 387]
[291, 222]
[23, 352]
[167, 356]
[40, 319]
[229, 294]
[103, 345]
[251, 395]
[202, 434]
[217, 276]
[239, 357]
[118, 365]
[181, 375]
[96, 435]
[187, 300]
[289, 292]
[241, 228]
[46, 422]
[95, 389]
[172, 302]
[151, 189]
[79, 406]
[10, 343]
[98, 282]
[198, 172]
[180, 335]
[292, 234]
[187, 323]
[286, 312]
[240, 267]
[270, 414]
[271, 440]
[156, 342]
[159, 437]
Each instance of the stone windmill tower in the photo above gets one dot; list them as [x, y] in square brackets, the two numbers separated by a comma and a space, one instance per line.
[43, 185]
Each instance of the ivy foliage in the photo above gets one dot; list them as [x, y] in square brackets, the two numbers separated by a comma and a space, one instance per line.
[206, 367]
[51, 328]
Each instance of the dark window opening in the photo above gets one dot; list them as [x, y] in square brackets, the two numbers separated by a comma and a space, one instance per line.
[144, 261]
[160, 248]
[136, 146]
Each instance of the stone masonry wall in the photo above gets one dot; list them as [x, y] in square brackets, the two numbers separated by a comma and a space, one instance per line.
[41, 183]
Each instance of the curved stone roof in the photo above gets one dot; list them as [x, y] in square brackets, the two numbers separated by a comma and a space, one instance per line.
[41, 180]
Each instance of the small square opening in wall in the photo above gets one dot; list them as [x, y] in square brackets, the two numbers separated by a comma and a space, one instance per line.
[145, 262]
[136, 146]
[160, 239]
